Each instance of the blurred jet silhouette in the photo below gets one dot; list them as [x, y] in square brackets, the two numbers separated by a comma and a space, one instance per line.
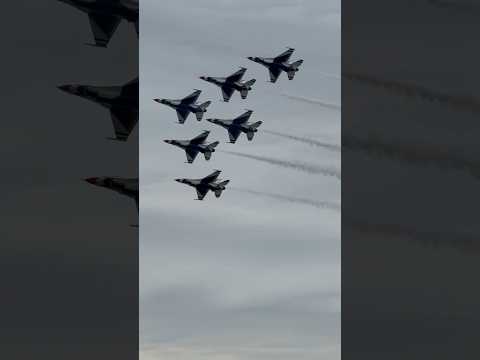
[194, 146]
[278, 64]
[106, 15]
[186, 105]
[209, 182]
[127, 187]
[231, 83]
[122, 101]
[238, 125]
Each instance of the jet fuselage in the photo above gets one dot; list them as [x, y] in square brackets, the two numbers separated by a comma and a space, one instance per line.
[178, 104]
[187, 145]
[229, 124]
[271, 63]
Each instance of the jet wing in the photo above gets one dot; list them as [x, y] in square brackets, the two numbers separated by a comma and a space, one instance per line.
[285, 56]
[242, 119]
[192, 98]
[191, 155]
[233, 134]
[201, 192]
[227, 93]
[124, 121]
[212, 177]
[274, 73]
[182, 115]
[236, 76]
[103, 28]
[200, 138]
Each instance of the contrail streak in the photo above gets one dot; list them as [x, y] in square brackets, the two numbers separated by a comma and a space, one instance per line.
[461, 102]
[317, 204]
[313, 101]
[441, 157]
[468, 243]
[307, 168]
[331, 147]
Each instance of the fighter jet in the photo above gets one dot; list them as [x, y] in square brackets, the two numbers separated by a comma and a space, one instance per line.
[238, 125]
[278, 64]
[194, 146]
[106, 15]
[122, 101]
[231, 83]
[209, 182]
[186, 106]
[127, 187]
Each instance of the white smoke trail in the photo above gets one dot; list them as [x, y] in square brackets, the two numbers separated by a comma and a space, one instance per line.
[307, 168]
[313, 101]
[331, 147]
[318, 204]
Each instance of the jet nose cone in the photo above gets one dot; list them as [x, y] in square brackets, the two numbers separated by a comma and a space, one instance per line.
[91, 180]
[167, 141]
[203, 77]
[250, 57]
[178, 180]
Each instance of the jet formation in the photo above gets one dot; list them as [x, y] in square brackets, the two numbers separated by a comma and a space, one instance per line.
[232, 83]
[238, 125]
[234, 127]
[122, 101]
[208, 183]
[194, 146]
[186, 106]
[278, 64]
[106, 15]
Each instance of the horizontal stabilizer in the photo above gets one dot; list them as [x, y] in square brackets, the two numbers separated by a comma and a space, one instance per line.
[204, 105]
[296, 64]
[213, 145]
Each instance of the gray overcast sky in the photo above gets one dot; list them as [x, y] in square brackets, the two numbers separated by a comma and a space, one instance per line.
[243, 276]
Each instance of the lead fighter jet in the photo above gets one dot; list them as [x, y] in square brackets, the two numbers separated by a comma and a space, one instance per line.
[278, 64]
[122, 101]
[194, 146]
[186, 105]
[231, 83]
[106, 15]
[127, 187]
[209, 182]
[238, 125]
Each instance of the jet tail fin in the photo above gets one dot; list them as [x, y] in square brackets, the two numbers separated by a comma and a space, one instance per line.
[202, 108]
[223, 183]
[213, 145]
[293, 69]
[204, 105]
[218, 192]
[296, 64]
[250, 82]
[256, 124]
[210, 149]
